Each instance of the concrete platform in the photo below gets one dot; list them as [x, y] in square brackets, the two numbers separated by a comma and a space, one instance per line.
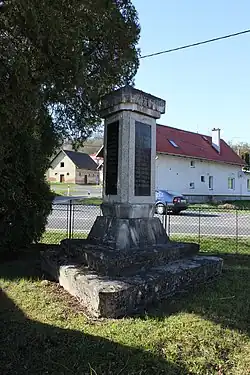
[113, 297]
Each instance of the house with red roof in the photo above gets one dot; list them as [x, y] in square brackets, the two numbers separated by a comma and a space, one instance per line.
[198, 166]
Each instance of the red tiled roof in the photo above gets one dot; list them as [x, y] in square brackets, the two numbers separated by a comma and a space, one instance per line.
[193, 145]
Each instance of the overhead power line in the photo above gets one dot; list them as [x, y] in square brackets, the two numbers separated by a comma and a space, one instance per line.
[195, 44]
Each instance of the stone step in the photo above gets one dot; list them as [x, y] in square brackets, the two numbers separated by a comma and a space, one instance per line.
[111, 262]
[114, 297]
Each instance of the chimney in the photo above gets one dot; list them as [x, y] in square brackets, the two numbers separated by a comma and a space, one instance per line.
[216, 139]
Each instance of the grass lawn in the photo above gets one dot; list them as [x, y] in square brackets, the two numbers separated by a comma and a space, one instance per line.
[63, 184]
[218, 245]
[44, 331]
[55, 237]
[238, 204]
[207, 244]
[91, 201]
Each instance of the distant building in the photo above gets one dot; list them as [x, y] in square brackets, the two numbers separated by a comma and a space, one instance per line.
[200, 167]
[99, 161]
[73, 167]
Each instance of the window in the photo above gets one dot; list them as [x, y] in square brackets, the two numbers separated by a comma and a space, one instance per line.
[192, 164]
[248, 184]
[55, 174]
[202, 178]
[68, 174]
[231, 183]
[191, 185]
[210, 182]
[80, 174]
[173, 143]
[62, 164]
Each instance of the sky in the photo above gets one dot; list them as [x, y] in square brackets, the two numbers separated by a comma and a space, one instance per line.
[206, 86]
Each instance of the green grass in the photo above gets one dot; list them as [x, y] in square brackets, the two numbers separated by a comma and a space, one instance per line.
[206, 331]
[217, 244]
[91, 201]
[55, 237]
[65, 185]
[238, 204]
[207, 244]
[243, 204]
[72, 189]
[63, 192]
[62, 184]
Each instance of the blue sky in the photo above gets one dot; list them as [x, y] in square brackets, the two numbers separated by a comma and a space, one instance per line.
[206, 86]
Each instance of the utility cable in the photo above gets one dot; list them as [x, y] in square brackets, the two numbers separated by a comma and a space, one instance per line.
[195, 44]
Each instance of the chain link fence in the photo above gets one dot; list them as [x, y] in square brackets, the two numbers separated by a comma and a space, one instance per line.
[215, 229]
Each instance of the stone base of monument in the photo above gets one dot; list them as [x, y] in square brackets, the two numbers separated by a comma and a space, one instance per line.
[112, 284]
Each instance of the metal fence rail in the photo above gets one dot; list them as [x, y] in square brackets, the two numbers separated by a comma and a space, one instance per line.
[215, 229]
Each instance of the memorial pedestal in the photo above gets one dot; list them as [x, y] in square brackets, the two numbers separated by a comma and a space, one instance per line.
[115, 289]
[128, 261]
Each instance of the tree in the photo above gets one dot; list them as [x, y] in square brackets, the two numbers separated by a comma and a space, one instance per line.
[240, 147]
[57, 58]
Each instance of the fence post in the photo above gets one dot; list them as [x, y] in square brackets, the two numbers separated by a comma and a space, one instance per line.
[164, 220]
[237, 230]
[199, 226]
[73, 220]
[67, 234]
[168, 217]
[70, 219]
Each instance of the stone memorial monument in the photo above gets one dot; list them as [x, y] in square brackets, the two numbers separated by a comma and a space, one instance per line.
[127, 260]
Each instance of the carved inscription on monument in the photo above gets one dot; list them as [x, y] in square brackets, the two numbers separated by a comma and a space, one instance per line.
[112, 158]
[142, 159]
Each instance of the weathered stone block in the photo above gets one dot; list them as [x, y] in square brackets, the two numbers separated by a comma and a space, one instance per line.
[115, 297]
[124, 234]
[107, 261]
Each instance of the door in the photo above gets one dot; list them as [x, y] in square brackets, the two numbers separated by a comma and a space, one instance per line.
[85, 179]
[62, 179]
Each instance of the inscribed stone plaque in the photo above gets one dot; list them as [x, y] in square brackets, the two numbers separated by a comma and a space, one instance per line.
[142, 185]
[112, 158]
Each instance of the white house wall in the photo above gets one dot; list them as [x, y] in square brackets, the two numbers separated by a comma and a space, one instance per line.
[176, 173]
[68, 170]
[85, 176]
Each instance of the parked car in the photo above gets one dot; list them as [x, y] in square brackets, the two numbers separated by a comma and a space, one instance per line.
[174, 202]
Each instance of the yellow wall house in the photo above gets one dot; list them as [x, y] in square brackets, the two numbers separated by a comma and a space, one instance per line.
[73, 167]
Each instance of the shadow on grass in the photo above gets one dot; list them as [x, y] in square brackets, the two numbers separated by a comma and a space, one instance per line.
[225, 300]
[22, 264]
[30, 347]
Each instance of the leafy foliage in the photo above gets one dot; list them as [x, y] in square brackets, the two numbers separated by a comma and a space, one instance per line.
[57, 58]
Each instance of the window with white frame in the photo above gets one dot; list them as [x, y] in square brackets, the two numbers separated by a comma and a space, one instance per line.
[210, 183]
[192, 164]
[248, 184]
[202, 178]
[191, 185]
[231, 183]
[62, 164]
